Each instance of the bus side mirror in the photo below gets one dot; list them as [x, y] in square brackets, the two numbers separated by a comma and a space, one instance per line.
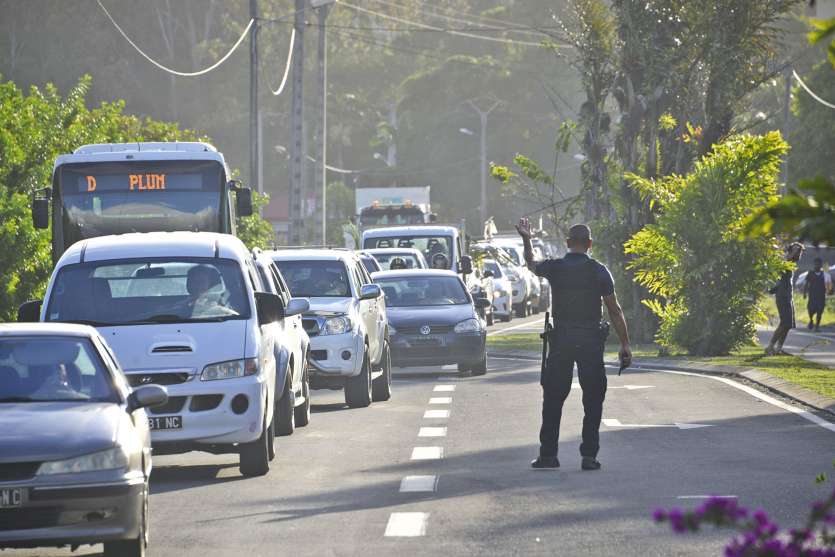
[40, 213]
[433, 217]
[466, 266]
[243, 201]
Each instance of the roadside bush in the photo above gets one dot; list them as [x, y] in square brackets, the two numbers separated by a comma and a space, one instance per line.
[705, 276]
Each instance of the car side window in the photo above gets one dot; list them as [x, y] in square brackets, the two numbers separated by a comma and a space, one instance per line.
[253, 277]
[283, 290]
[266, 280]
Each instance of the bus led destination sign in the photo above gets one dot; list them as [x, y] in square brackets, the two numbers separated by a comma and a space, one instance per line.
[140, 182]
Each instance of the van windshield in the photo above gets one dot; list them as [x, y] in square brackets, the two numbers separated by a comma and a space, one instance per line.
[134, 292]
[437, 250]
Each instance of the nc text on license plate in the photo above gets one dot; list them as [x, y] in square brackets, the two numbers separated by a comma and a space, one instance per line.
[10, 498]
[166, 422]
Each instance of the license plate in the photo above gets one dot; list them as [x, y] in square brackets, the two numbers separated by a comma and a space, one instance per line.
[12, 498]
[428, 341]
[165, 422]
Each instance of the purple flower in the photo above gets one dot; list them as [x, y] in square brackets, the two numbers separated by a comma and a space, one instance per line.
[760, 517]
[660, 515]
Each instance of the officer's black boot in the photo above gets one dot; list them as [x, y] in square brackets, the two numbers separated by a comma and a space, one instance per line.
[590, 463]
[545, 462]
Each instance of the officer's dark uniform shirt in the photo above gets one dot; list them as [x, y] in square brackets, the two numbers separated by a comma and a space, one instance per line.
[578, 282]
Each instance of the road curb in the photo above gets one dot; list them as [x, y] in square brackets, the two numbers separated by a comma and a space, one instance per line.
[761, 378]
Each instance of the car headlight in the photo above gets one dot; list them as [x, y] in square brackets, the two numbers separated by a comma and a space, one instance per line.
[468, 326]
[111, 459]
[230, 369]
[336, 325]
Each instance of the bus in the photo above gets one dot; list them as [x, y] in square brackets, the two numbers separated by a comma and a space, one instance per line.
[116, 188]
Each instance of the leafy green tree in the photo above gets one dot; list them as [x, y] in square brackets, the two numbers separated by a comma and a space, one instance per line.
[254, 231]
[706, 278]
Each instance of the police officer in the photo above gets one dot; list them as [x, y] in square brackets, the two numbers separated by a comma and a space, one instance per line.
[578, 283]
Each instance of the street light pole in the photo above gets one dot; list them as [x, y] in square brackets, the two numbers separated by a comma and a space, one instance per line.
[297, 127]
[483, 114]
[322, 8]
[254, 143]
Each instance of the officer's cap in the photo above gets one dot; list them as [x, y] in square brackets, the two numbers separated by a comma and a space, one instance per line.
[579, 232]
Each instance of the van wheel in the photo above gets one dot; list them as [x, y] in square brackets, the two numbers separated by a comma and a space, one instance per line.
[285, 412]
[521, 310]
[490, 319]
[358, 389]
[255, 458]
[271, 452]
[480, 368]
[381, 387]
[137, 546]
[303, 412]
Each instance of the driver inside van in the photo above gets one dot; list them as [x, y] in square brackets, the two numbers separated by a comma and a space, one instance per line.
[202, 301]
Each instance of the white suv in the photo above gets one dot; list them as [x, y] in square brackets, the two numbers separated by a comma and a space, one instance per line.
[347, 324]
[185, 310]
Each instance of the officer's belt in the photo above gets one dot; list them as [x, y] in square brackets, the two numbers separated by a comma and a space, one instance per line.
[575, 325]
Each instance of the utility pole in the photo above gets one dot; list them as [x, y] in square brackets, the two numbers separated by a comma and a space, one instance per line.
[322, 9]
[483, 114]
[297, 130]
[787, 99]
[254, 143]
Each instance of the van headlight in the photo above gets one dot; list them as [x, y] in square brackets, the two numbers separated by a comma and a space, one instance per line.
[230, 369]
[111, 459]
[336, 325]
[468, 326]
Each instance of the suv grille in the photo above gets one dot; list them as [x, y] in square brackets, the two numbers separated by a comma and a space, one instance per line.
[14, 471]
[311, 327]
[174, 405]
[138, 379]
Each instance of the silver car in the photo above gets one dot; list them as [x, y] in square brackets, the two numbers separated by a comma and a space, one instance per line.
[75, 453]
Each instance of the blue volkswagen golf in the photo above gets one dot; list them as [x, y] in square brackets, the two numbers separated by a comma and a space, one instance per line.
[433, 320]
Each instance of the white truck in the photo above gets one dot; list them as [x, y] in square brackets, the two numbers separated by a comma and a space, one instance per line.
[393, 206]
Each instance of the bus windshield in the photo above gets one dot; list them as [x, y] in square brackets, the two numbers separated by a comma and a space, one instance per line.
[98, 199]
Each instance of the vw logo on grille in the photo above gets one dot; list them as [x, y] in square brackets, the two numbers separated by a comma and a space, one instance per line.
[425, 330]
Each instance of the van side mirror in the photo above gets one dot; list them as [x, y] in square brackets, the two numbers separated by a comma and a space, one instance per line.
[466, 265]
[296, 306]
[147, 396]
[40, 213]
[243, 200]
[29, 312]
[270, 307]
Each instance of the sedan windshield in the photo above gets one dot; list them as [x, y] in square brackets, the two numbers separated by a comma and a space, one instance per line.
[149, 291]
[423, 291]
[316, 279]
[49, 369]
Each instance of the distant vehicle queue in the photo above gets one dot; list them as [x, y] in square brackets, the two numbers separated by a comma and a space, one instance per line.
[185, 340]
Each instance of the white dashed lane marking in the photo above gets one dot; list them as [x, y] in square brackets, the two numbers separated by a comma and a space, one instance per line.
[432, 432]
[418, 484]
[444, 388]
[440, 400]
[436, 414]
[406, 525]
[427, 453]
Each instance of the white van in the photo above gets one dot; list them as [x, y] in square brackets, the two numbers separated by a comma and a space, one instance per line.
[185, 310]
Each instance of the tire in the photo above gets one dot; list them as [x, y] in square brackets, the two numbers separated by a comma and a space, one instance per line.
[463, 369]
[521, 310]
[507, 318]
[135, 547]
[490, 320]
[480, 368]
[381, 387]
[303, 412]
[358, 389]
[284, 419]
[271, 447]
[254, 456]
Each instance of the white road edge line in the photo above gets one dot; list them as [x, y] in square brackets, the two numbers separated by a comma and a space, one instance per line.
[432, 432]
[427, 453]
[519, 326]
[440, 400]
[707, 497]
[406, 525]
[806, 415]
[419, 484]
[436, 414]
[444, 388]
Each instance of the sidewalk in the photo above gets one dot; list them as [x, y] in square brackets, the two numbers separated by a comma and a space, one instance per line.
[815, 347]
[761, 378]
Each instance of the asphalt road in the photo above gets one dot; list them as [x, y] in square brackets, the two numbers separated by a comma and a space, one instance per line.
[335, 486]
[815, 347]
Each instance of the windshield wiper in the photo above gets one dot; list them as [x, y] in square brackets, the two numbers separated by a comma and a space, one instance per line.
[18, 399]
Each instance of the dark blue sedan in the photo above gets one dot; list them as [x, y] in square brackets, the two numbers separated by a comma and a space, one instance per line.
[433, 320]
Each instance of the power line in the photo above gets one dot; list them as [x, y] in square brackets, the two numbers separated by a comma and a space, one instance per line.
[424, 30]
[167, 69]
[518, 28]
[278, 91]
[441, 29]
[812, 93]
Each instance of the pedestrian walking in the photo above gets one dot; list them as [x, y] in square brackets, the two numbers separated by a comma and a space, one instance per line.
[818, 284]
[578, 284]
[785, 303]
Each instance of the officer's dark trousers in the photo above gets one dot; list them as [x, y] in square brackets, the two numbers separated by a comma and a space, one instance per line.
[586, 349]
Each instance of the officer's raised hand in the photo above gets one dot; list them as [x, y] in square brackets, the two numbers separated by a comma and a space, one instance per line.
[524, 228]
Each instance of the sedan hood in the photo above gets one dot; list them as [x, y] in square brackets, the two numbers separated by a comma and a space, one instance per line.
[39, 431]
[434, 315]
[330, 306]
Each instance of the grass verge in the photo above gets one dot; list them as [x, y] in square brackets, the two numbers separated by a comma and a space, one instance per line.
[807, 374]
